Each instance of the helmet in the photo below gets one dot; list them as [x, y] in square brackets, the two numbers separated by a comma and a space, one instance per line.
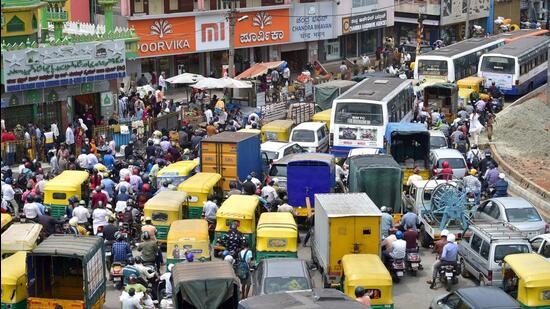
[132, 279]
[501, 176]
[190, 256]
[444, 233]
[474, 146]
[118, 236]
[98, 188]
[123, 189]
[147, 219]
[30, 198]
[225, 253]
[109, 151]
[383, 209]
[399, 235]
[146, 235]
[8, 180]
[131, 261]
[28, 164]
[359, 291]
[487, 153]
[451, 237]
[145, 187]
[445, 164]
[473, 172]
[164, 138]
[170, 266]
[73, 221]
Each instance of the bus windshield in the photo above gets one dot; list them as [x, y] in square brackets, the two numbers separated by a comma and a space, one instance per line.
[497, 64]
[432, 67]
[359, 114]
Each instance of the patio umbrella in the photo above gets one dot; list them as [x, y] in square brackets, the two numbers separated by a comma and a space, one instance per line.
[210, 83]
[185, 78]
[238, 84]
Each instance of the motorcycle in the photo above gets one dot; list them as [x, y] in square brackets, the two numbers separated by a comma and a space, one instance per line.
[448, 275]
[412, 262]
[116, 274]
[397, 269]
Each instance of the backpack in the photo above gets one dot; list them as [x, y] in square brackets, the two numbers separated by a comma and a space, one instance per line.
[243, 270]
[475, 159]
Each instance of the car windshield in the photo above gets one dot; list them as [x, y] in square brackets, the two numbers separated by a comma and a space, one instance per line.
[501, 251]
[528, 214]
[284, 284]
[272, 155]
[359, 114]
[277, 171]
[438, 142]
[453, 162]
[307, 136]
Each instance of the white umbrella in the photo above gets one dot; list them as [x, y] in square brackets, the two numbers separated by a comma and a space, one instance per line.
[210, 83]
[234, 83]
[185, 78]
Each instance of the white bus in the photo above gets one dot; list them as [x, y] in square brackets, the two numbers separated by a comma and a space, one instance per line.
[360, 115]
[518, 67]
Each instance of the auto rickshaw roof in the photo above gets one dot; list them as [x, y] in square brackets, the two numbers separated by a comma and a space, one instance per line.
[280, 125]
[167, 200]
[252, 131]
[67, 180]
[68, 245]
[188, 229]
[20, 236]
[470, 81]
[239, 207]
[531, 268]
[365, 270]
[200, 183]
[6, 219]
[277, 224]
[13, 267]
[179, 168]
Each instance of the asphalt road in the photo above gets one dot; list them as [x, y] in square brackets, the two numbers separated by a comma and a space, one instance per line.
[411, 292]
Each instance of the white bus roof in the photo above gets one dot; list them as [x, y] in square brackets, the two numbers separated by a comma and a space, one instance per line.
[520, 47]
[374, 89]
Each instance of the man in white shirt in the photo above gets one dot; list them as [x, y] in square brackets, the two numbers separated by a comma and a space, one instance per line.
[414, 177]
[82, 160]
[286, 74]
[209, 210]
[167, 278]
[269, 193]
[162, 81]
[399, 247]
[81, 213]
[209, 115]
[31, 210]
[99, 216]
[69, 139]
[8, 195]
[255, 180]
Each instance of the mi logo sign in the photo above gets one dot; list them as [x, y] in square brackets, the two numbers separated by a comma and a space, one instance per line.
[212, 33]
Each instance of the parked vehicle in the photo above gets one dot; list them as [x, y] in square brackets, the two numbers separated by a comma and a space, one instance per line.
[198, 187]
[233, 155]
[279, 275]
[438, 140]
[514, 210]
[277, 150]
[205, 285]
[163, 209]
[541, 244]
[374, 278]
[189, 235]
[380, 177]
[526, 277]
[277, 236]
[177, 172]
[14, 281]
[475, 298]
[483, 248]
[344, 224]
[453, 157]
[277, 130]
[65, 185]
[316, 298]
[68, 271]
[20, 237]
[312, 136]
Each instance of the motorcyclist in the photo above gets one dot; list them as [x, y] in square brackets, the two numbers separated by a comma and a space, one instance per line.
[149, 250]
[232, 241]
[110, 230]
[484, 164]
[8, 195]
[398, 247]
[121, 250]
[494, 91]
[449, 256]
[446, 172]
[491, 177]
[473, 185]
[48, 222]
[145, 272]
[129, 270]
[167, 276]
[133, 284]
[501, 186]
[122, 199]
[386, 222]
[362, 296]
[149, 228]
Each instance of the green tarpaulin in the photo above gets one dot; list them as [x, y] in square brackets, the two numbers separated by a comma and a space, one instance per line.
[325, 93]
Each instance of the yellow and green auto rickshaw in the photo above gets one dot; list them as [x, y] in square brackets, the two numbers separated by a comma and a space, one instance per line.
[14, 281]
[323, 116]
[467, 87]
[163, 209]
[276, 236]
[20, 237]
[241, 209]
[6, 221]
[526, 277]
[177, 172]
[67, 184]
[198, 187]
[277, 130]
[367, 271]
[189, 235]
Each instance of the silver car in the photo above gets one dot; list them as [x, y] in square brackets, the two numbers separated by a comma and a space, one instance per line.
[514, 210]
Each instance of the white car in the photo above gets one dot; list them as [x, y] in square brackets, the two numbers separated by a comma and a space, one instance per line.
[277, 150]
[541, 245]
[438, 140]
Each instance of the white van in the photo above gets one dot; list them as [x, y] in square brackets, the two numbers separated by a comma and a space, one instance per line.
[312, 136]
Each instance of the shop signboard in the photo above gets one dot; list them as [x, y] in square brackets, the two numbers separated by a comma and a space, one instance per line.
[364, 22]
[258, 28]
[45, 67]
[312, 22]
[164, 36]
[455, 11]
[212, 32]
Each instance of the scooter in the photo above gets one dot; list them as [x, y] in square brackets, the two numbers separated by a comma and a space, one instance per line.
[397, 269]
[116, 275]
[412, 261]
[448, 275]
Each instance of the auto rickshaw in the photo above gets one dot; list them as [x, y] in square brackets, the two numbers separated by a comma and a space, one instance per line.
[58, 191]
[277, 236]
[526, 277]
[277, 130]
[444, 97]
[187, 235]
[14, 281]
[253, 131]
[20, 237]
[468, 86]
[323, 116]
[163, 209]
[367, 271]
[177, 172]
[6, 221]
[198, 187]
[242, 209]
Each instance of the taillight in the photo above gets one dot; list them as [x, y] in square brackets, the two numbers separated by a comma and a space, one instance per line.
[490, 275]
[547, 228]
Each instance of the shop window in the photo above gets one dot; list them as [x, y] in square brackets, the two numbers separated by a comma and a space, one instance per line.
[15, 25]
[34, 22]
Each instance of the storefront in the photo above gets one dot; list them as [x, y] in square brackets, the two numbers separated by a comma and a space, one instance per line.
[363, 33]
[453, 18]
[406, 28]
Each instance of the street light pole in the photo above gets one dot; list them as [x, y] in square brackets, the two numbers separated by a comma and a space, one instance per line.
[467, 30]
[232, 18]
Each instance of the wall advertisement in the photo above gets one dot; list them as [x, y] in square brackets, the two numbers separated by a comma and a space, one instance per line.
[455, 11]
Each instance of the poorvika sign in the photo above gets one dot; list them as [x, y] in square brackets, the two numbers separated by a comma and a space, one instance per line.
[165, 36]
[45, 67]
[364, 22]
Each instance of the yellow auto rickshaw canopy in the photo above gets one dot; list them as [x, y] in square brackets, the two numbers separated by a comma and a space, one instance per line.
[20, 237]
[68, 180]
[180, 168]
[13, 268]
[167, 201]
[200, 183]
[239, 207]
[366, 270]
[470, 81]
[6, 219]
[278, 126]
[530, 268]
[277, 224]
[253, 131]
[188, 229]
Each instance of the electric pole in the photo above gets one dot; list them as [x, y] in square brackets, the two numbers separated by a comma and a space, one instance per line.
[467, 30]
[419, 32]
[232, 19]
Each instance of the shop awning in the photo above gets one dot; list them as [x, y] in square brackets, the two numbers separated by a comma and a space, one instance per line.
[259, 69]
